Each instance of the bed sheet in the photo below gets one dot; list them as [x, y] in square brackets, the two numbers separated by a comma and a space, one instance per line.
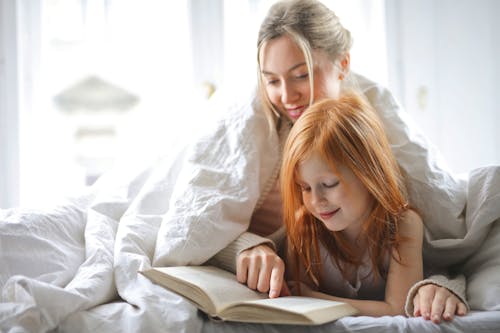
[476, 321]
[120, 316]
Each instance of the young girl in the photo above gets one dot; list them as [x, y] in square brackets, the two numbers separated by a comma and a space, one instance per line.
[351, 236]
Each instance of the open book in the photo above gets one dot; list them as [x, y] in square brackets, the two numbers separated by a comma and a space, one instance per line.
[218, 293]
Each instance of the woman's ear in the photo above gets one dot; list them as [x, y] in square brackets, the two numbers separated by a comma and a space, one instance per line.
[345, 63]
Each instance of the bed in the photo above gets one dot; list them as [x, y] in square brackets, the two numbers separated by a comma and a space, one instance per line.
[76, 290]
[74, 267]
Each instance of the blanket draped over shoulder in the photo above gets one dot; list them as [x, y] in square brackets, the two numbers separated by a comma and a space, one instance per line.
[75, 266]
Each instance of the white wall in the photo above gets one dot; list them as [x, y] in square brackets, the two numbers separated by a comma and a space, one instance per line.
[444, 67]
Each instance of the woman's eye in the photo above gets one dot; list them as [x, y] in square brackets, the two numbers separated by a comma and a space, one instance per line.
[272, 82]
[302, 76]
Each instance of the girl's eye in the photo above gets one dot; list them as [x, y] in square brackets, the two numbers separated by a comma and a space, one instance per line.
[304, 188]
[330, 185]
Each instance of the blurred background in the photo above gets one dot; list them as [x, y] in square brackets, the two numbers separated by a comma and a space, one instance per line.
[87, 83]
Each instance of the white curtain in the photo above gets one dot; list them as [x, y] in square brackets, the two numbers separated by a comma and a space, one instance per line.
[9, 122]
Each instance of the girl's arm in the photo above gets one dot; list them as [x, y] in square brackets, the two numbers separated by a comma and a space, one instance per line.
[402, 275]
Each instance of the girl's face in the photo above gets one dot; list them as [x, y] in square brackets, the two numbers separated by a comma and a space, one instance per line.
[341, 201]
[286, 78]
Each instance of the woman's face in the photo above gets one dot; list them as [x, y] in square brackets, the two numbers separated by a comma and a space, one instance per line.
[286, 78]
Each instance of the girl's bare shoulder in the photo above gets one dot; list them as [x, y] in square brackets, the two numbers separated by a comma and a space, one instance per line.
[411, 224]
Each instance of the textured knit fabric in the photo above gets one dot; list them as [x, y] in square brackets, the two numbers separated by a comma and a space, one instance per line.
[269, 216]
[455, 285]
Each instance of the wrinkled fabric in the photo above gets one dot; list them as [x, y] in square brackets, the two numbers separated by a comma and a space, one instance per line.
[75, 267]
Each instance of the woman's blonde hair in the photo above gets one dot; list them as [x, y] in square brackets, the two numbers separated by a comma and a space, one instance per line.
[343, 132]
[310, 24]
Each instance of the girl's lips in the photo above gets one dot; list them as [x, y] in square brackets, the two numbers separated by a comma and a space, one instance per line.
[326, 216]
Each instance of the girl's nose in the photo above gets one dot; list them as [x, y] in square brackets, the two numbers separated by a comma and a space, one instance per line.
[317, 195]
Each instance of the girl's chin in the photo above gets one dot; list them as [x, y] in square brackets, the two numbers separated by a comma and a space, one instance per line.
[332, 225]
[331, 228]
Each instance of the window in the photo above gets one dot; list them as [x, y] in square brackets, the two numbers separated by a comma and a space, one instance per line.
[106, 75]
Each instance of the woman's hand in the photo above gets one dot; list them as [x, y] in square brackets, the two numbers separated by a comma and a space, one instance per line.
[434, 303]
[262, 269]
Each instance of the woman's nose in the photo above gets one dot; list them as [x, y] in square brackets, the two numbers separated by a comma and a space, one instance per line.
[288, 93]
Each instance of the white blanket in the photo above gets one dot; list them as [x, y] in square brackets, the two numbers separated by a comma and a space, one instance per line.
[75, 267]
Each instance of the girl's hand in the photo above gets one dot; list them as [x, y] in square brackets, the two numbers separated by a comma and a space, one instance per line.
[434, 303]
[262, 269]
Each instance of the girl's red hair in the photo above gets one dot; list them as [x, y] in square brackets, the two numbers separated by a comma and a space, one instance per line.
[348, 132]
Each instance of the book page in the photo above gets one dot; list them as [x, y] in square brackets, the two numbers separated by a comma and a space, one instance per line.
[289, 310]
[220, 286]
[298, 304]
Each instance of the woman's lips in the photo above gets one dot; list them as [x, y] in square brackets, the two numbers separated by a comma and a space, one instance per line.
[296, 112]
[326, 216]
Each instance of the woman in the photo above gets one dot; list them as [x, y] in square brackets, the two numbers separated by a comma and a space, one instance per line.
[303, 56]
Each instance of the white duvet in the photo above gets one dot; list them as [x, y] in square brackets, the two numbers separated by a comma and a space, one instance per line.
[74, 267]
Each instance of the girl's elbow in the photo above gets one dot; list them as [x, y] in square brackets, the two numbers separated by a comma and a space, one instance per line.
[396, 309]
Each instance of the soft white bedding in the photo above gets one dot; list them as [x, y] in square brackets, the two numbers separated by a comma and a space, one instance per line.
[74, 267]
[69, 285]
[479, 322]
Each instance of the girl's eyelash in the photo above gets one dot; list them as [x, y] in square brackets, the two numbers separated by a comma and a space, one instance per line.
[330, 185]
[304, 188]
